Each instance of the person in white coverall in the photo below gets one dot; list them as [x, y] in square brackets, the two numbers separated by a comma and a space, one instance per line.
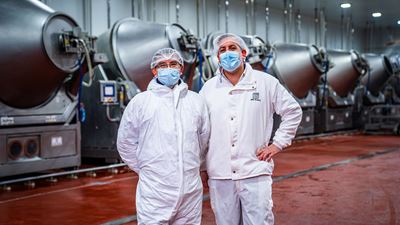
[163, 136]
[241, 102]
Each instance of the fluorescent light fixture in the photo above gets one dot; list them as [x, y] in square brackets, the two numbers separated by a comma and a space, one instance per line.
[345, 5]
[376, 14]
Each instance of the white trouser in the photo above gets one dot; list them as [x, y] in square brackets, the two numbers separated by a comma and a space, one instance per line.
[242, 202]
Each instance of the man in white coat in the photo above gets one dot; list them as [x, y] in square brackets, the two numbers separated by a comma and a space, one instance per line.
[241, 102]
[163, 136]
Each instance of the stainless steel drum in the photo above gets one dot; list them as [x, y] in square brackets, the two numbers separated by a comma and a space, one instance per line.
[131, 43]
[380, 70]
[298, 66]
[208, 45]
[348, 66]
[32, 66]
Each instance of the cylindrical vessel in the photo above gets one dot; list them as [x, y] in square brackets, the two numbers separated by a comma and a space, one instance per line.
[380, 70]
[298, 66]
[348, 66]
[32, 66]
[208, 44]
[131, 43]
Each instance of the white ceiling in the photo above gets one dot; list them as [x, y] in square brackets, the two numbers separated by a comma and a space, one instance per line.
[360, 10]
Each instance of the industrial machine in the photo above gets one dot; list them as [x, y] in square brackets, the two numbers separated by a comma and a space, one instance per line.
[335, 95]
[369, 92]
[41, 53]
[130, 45]
[299, 68]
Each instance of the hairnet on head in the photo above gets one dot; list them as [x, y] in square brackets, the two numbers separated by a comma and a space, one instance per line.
[221, 39]
[165, 54]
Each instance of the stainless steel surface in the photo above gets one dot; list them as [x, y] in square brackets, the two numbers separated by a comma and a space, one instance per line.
[298, 66]
[64, 139]
[380, 70]
[130, 45]
[32, 67]
[348, 66]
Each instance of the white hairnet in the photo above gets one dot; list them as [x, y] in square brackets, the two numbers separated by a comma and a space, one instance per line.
[165, 54]
[219, 40]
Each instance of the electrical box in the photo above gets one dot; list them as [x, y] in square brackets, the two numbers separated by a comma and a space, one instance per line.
[108, 92]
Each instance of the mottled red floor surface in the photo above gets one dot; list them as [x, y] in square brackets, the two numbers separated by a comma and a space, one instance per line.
[363, 190]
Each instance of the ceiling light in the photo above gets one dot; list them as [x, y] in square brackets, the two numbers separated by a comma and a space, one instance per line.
[345, 5]
[398, 22]
[376, 14]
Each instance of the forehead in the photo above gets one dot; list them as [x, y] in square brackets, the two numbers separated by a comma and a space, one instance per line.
[168, 61]
[228, 42]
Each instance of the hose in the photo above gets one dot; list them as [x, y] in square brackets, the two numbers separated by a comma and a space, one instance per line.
[89, 63]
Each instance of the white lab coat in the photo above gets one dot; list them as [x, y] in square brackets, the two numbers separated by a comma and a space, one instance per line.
[241, 121]
[163, 137]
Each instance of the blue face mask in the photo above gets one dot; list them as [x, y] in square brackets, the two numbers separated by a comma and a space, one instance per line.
[168, 76]
[229, 60]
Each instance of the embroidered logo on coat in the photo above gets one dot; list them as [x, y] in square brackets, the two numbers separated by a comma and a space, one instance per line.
[255, 97]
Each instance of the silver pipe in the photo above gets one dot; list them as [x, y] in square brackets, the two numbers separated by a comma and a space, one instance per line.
[323, 37]
[219, 15]
[108, 14]
[198, 17]
[290, 27]
[253, 18]
[285, 12]
[341, 28]
[140, 9]
[169, 10]
[226, 16]
[325, 29]
[316, 25]
[267, 20]
[177, 6]
[133, 8]
[204, 15]
[298, 27]
[87, 9]
[153, 4]
[246, 2]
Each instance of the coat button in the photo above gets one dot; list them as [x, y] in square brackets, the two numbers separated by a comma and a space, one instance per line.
[233, 145]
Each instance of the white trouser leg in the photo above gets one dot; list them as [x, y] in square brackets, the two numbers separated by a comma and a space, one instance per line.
[256, 200]
[225, 202]
[189, 212]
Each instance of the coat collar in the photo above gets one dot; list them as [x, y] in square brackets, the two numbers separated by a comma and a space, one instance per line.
[246, 78]
[180, 90]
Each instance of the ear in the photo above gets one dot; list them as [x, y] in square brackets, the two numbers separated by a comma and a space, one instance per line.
[244, 53]
[181, 70]
[154, 72]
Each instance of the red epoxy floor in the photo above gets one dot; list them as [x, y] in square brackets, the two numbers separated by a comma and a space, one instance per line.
[360, 192]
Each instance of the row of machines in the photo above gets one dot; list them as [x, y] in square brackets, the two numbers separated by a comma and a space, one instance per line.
[44, 55]
[63, 92]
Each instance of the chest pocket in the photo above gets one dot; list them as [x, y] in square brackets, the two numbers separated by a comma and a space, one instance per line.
[246, 89]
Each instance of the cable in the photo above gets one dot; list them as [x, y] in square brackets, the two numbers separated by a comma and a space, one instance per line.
[200, 57]
[89, 63]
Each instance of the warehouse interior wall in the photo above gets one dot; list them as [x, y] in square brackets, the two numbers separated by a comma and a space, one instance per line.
[205, 16]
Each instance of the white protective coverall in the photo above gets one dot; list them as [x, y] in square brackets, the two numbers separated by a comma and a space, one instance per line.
[163, 136]
[241, 119]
